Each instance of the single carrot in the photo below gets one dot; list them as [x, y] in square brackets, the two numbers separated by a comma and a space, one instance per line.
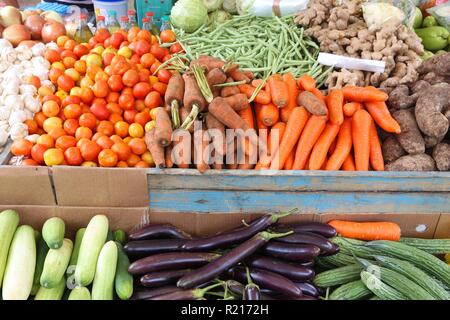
[215, 76]
[293, 91]
[376, 154]
[156, 150]
[332, 147]
[222, 111]
[184, 114]
[163, 127]
[324, 164]
[349, 163]
[262, 97]
[238, 101]
[201, 143]
[247, 116]
[364, 94]
[335, 102]
[273, 143]
[248, 74]
[361, 123]
[269, 114]
[368, 231]
[343, 146]
[168, 156]
[311, 133]
[238, 75]
[351, 107]
[306, 82]
[313, 104]
[182, 150]
[290, 159]
[257, 82]
[320, 149]
[382, 117]
[294, 127]
[319, 95]
[216, 130]
[230, 90]
[279, 91]
[192, 94]
[259, 124]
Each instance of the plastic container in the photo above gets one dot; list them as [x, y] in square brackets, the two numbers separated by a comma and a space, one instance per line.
[102, 7]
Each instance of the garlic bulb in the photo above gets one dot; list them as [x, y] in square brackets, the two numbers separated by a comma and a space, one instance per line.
[8, 54]
[5, 44]
[5, 112]
[13, 101]
[32, 138]
[24, 53]
[31, 103]
[17, 116]
[52, 45]
[27, 89]
[38, 49]
[18, 131]
[4, 125]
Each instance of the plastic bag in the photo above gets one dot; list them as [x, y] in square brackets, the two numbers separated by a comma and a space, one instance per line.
[442, 14]
[407, 7]
[268, 8]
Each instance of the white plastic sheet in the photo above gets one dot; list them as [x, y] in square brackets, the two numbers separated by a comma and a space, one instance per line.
[334, 60]
[268, 8]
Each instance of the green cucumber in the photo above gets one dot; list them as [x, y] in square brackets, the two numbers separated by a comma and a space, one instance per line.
[80, 293]
[124, 280]
[353, 247]
[338, 276]
[55, 293]
[9, 221]
[121, 237]
[55, 264]
[421, 259]
[355, 290]
[416, 275]
[19, 272]
[76, 250]
[110, 236]
[42, 250]
[103, 286]
[379, 288]
[91, 245]
[339, 259]
[433, 246]
[53, 232]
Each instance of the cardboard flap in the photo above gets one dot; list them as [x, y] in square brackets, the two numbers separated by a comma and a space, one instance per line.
[443, 227]
[26, 186]
[100, 187]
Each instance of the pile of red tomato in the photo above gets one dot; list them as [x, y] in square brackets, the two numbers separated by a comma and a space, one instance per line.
[102, 101]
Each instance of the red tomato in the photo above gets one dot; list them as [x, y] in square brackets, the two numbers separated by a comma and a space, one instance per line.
[158, 52]
[100, 111]
[142, 118]
[130, 78]
[100, 88]
[141, 89]
[160, 88]
[164, 75]
[126, 101]
[129, 116]
[153, 100]
[90, 151]
[115, 83]
[116, 39]
[142, 47]
[37, 153]
[70, 100]
[65, 82]
[73, 156]
[175, 48]
[168, 36]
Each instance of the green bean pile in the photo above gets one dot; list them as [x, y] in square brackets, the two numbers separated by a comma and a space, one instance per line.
[262, 45]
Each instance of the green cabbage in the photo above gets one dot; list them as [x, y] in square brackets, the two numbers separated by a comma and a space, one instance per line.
[189, 15]
[213, 5]
[219, 16]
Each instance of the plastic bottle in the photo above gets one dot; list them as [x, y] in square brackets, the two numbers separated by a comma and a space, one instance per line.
[165, 23]
[132, 18]
[152, 26]
[145, 24]
[83, 33]
[124, 23]
[112, 23]
[101, 24]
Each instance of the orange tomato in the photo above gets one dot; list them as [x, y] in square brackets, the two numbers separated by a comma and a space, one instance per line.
[21, 147]
[129, 115]
[100, 110]
[51, 123]
[37, 153]
[80, 66]
[104, 142]
[86, 82]
[138, 146]
[80, 50]
[29, 162]
[126, 101]
[70, 100]
[53, 157]
[65, 82]
[127, 90]
[127, 140]
[175, 48]
[142, 118]
[92, 70]
[107, 58]
[141, 164]
[106, 128]
[102, 75]
[100, 88]
[72, 111]
[145, 35]
[132, 33]
[35, 81]
[113, 97]
[142, 46]
[115, 138]
[90, 151]
[116, 39]
[86, 95]
[70, 44]
[32, 126]
[147, 60]
[122, 164]
[153, 100]
[115, 83]
[53, 98]
[158, 52]
[69, 62]
[70, 126]
[130, 78]
[121, 128]
[147, 157]
[88, 120]
[160, 87]
[101, 35]
[52, 55]
[82, 141]
[114, 108]
[133, 160]
[107, 158]
[96, 136]
[122, 150]
[141, 89]
[73, 156]
[55, 133]
[46, 140]
[164, 75]
[50, 108]
[144, 75]
[65, 142]
[139, 105]
[83, 132]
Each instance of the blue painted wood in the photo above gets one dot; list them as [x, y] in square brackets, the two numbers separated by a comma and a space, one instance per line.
[204, 201]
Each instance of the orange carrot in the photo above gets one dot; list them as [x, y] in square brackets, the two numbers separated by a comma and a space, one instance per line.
[289, 79]
[273, 143]
[319, 95]
[349, 163]
[313, 104]
[290, 160]
[367, 230]
[332, 147]
[320, 150]
[238, 101]
[279, 91]
[361, 123]
[312, 132]
[182, 148]
[324, 164]
[306, 82]
[156, 150]
[335, 102]
[262, 97]
[269, 114]
[343, 146]
[257, 82]
[351, 107]
[294, 127]
[259, 124]
[364, 94]
[163, 127]
[376, 155]
[247, 116]
[238, 75]
[222, 111]
[382, 116]
[200, 149]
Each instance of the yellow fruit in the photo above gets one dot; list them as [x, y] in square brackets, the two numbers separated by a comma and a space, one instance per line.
[98, 50]
[45, 91]
[61, 94]
[75, 91]
[58, 65]
[153, 79]
[74, 74]
[147, 157]
[135, 130]
[94, 59]
[153, 113]
[52, 123]
[126, 52]
[150, 125]
[89, 164]
[53, 157]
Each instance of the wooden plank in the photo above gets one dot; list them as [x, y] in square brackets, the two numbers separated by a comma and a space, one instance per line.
[307, 202]
[174, 179]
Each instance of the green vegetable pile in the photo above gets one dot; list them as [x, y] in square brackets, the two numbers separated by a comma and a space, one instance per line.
[263, 46]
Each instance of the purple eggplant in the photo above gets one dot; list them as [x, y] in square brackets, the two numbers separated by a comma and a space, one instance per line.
[323, 243]
[333, 250]
[149, 247]
[308, 264]
[251, 292]
[226, 261]
[291, 271]
[145, 294]
[314, 227]
[267, 279]
[224, 240]
[191, 294]
[291, 252]
[237, 289]
[158, 279]
[160, 231]
[171, 261]
[303, 297]
[308, 289]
